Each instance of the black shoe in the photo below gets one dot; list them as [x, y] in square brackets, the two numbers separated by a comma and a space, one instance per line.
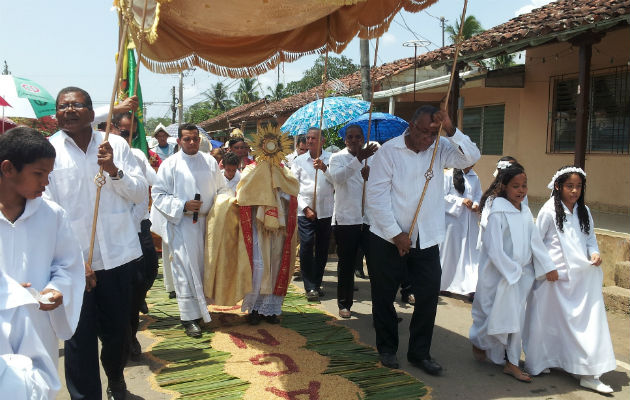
[272, 319]
[135, 350]
[254, 318]
[172, 295]
[320, 292]
[409, 299]
[144, 309]
[192, 329]
[312, 295]
[388, 360]
[117, 390]
[428, 365]
[359, 273]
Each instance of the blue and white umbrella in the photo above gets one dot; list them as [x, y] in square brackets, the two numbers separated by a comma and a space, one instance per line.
[384, 126]
[337, 110]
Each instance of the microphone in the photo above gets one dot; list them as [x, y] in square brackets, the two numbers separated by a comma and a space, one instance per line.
[196, 214]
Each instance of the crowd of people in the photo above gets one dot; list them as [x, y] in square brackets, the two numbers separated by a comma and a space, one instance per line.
[230, 228]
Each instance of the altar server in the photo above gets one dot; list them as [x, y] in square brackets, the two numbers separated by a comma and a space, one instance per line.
[566, 324]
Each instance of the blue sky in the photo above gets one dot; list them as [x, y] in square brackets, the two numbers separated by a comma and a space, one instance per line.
[72, 43]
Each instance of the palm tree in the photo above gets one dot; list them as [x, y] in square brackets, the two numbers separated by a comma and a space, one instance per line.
[472, 27]
[246, 92]
[277, 93]
[502, 61]
[218, 96]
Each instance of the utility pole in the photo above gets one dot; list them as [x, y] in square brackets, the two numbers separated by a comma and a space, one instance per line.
[442, 21]
[173, 105]
[180, 105]
[5, 69]
[364, 46]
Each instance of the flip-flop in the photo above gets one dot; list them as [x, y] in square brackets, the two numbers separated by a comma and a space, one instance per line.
[521, 376]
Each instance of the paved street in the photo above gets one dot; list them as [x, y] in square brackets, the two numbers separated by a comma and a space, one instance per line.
[463, 377]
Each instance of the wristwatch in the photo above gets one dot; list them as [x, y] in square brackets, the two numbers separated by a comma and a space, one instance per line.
[118, 175]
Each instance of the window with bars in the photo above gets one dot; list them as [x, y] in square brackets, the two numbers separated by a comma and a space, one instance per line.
[484, 126]
[608, 114]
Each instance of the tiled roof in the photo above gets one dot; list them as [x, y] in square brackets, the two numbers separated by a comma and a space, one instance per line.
[563, 18]
[235, 114]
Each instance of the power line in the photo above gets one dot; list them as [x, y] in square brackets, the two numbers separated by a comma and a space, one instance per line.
[417, 36]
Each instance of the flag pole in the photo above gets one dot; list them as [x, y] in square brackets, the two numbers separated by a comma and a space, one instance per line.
[135, 79]
[429, 174]
[321, 120]
[99, 179]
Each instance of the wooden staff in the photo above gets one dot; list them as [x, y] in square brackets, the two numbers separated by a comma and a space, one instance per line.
[321, 119]
[135, 83]
[100, 179]
[369, 123]
[429, 174]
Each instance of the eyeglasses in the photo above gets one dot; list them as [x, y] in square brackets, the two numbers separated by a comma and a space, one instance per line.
[75, 106]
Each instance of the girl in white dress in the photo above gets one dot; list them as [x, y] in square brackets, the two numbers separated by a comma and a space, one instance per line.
[512, 256]
[566, 324]
[459, 256]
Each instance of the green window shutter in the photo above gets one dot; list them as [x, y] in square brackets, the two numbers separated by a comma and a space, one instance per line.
[492, 138]
[472, 122]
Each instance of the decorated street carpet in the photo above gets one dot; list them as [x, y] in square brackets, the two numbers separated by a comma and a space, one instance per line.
[305, 357]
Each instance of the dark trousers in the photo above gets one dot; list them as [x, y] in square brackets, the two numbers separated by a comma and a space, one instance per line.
[144, 275]
[386, 272]
[351, 240]
[104, 316]
[313, 234]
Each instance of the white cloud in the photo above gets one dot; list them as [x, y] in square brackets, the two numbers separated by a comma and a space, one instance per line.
[389, 39]
[529, 7]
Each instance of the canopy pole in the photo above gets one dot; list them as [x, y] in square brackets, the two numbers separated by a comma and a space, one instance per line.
[321, 119]
[367, 142]
[99, 179]
[429, 174]
[135, 80]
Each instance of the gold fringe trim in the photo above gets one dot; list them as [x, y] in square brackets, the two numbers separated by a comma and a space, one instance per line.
[364, 32]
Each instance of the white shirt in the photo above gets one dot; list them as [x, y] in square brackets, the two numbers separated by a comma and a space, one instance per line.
[231, 183]
[140, 211]
[290, 157]
[345, 171]
[396, 183]
[303, 170]
[72, 187]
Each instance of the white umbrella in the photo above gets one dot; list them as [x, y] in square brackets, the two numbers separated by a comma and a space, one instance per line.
[27, 99]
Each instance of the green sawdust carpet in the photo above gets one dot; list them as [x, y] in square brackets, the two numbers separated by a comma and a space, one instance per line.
[195, 370]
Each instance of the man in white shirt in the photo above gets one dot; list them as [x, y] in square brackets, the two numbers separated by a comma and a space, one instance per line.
[350, 225]
[397, 178]
[106, 300]
[187, 185]
[314, 219]
[299, 150]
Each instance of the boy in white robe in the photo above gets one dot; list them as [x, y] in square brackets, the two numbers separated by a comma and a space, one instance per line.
[230, 171]
[459, 256]
[566, 324]
[512, 256]
[181, 178]
[26, 370]
[37, 246]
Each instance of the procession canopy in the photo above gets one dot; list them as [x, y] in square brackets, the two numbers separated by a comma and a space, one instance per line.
[239, 38]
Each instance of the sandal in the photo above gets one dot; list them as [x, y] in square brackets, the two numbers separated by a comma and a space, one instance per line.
[518, 374]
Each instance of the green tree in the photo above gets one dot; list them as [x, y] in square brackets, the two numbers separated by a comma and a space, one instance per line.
[200, 112]
[337, 67]
[151, 123]
[277, 93]
[247, 91]
[472, 27]
[219, 97]
[502, 61]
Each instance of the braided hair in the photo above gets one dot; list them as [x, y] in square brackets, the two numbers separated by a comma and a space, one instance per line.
[497, 187]
[458, 180]
[561, 218]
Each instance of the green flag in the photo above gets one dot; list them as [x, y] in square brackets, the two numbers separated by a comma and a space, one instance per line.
[140, 142]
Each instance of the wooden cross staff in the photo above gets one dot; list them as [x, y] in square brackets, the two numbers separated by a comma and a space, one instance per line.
[100, 179]
[429, 174]
[321, 119]
[367, 142]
